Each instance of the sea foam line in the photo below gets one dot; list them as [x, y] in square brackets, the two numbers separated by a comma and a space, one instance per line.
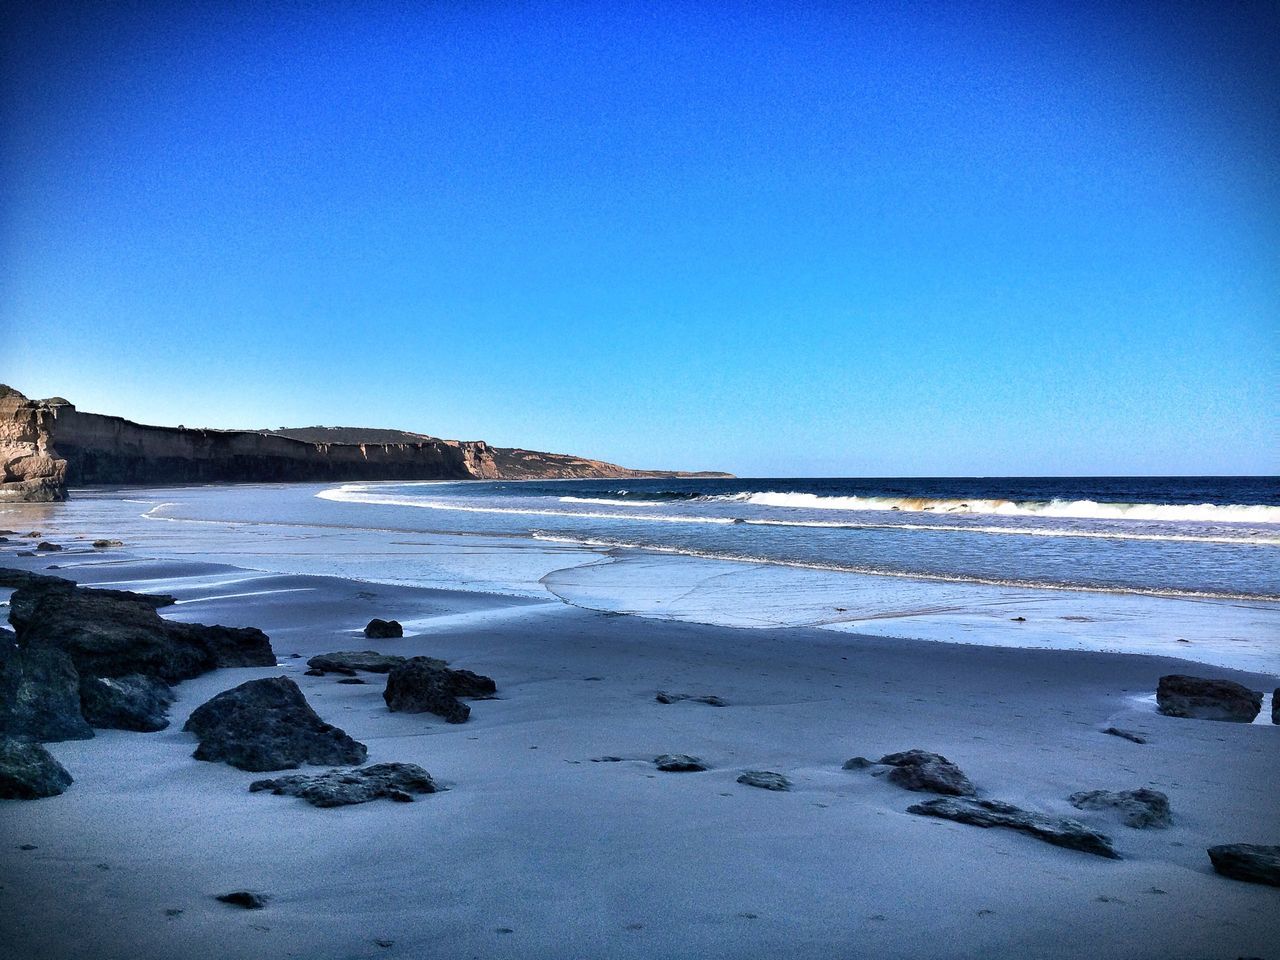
[1171, 593]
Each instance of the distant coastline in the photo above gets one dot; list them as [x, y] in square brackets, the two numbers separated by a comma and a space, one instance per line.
[48, 445]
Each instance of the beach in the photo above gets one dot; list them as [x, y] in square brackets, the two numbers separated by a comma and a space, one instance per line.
[539, 847]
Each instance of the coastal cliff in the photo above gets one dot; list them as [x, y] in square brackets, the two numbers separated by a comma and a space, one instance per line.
[46, 445]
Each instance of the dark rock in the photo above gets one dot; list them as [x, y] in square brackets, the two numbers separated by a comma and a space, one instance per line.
[711, 701]
[336, 788]
[28, 772]
[105, 544]
[46, 547]
[349, 661]
[377, 629]
[857, 763]
[1205, 699]
[679, 763]
[1251, 862]
[114, 633]
[1125, 734]
[268, 725]
[132, 702]
[40, 696]
[425, 685]
[923, 771]
[244, 898]
[765, 780]
[1059, 831]
[1275, 706]
[352, 680]
[1138, 808]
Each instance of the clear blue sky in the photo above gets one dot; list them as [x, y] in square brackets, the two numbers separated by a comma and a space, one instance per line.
[793, 239]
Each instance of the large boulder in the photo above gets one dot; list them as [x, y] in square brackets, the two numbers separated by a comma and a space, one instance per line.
[30, 469]
[28, 772]
[928, 772]
[337, 788]
[347, 662]
[132, 702]
[40, 696]
[113, 633]
[268, 725]
[1204, 699]
[1059, 831]
[1251, 862]
[377, 629]
[1139, 809]
[425, 685]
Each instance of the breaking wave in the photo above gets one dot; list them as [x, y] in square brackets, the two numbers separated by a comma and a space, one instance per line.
[1065, 509]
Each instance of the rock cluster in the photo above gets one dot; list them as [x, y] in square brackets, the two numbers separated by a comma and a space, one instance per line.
[82, 658]
[1059, 831]
[1204, 699]
[268, 725]
[426, 685]
[336, 788]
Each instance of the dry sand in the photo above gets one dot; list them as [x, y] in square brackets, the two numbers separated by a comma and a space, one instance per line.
[536, 851]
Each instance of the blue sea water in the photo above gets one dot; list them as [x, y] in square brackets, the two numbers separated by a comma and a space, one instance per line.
[1177, 536]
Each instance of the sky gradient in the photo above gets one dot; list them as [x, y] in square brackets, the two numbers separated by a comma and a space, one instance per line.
[804, 239]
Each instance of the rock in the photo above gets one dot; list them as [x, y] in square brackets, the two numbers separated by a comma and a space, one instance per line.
[711, 701]
[28, 772]
[268, 725]
[425, 685]
[132, 702]
[1204, 699]
[244, 898]
[353, 680]
[1138, 808]
[106, 544]
[923, 771]
[40, 696]
[679, 763]
[336, 788]
[1125, 734]
[377, 629]
[1059, 831]
[765, 780]
[349, 661]
[857, 763]
[30, 469]
[44, 546]
[115, 633]
[1250, 862]
[1275, 706]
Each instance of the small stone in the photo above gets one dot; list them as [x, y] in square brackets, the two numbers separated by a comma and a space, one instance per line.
[920, 770]
[352, 680]
[244, 898]
[383, 629]
[349, 661]
[857, 763]
[765, 780]
[45, 546]
[1125, 734]
[1250, 862]
[678, 763]
[709, 700]
[1139, 809]
[1205, 699]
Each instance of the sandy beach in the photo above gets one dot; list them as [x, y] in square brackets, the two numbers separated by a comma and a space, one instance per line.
[539, 849]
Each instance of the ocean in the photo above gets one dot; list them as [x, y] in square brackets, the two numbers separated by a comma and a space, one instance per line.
[1170, 536]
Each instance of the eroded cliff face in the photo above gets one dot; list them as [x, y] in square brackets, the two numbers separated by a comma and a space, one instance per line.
[31, 470]
[46, 445]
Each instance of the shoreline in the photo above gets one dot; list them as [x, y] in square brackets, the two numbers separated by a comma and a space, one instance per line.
[535, 851]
